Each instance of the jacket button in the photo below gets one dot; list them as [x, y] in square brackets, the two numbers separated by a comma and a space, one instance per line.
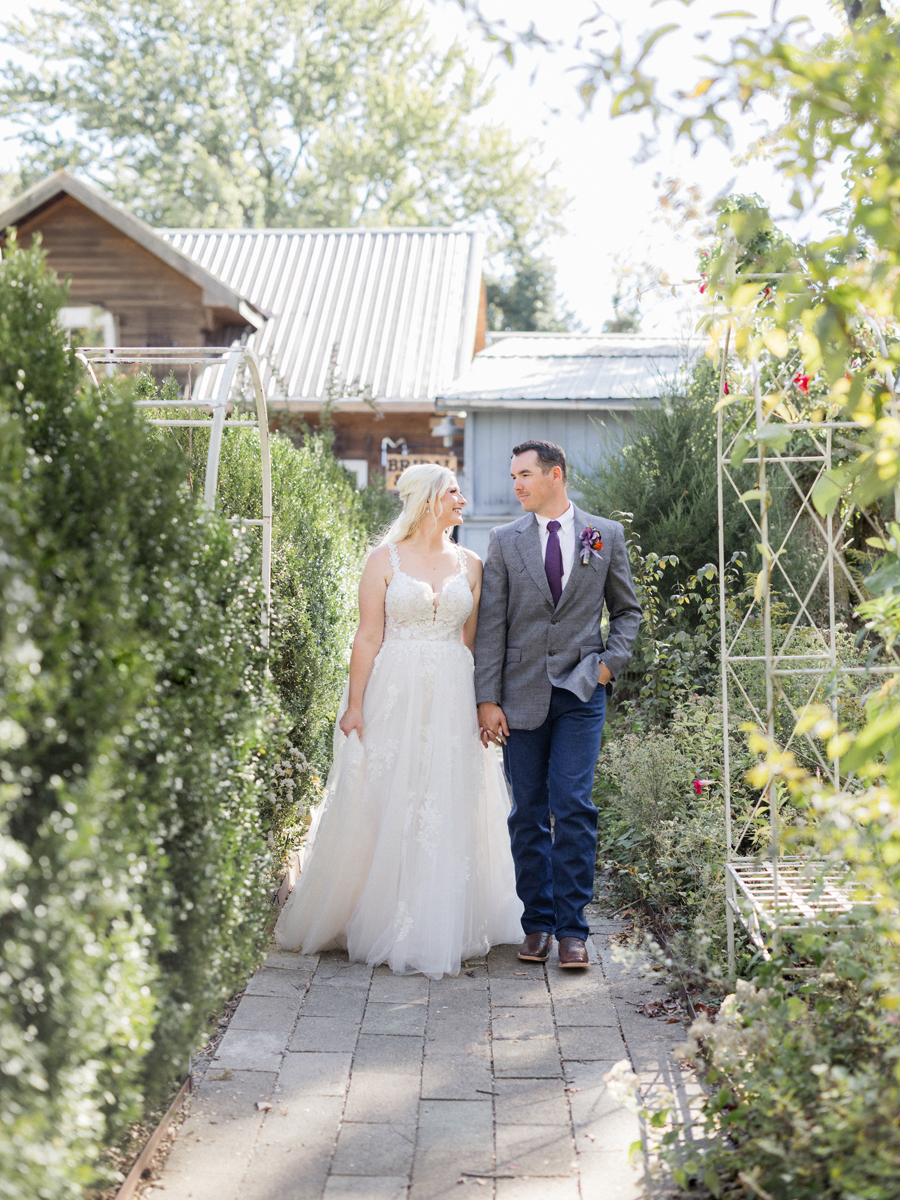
[555, 621]
[552, 654]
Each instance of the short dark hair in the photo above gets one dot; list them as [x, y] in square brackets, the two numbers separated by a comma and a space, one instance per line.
[548, 453]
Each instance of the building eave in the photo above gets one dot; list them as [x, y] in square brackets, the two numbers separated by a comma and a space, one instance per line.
[395, 405]
[452, 404]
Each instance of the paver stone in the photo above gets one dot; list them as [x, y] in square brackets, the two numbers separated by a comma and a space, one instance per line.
[293, 1152]
[406, 1018]
[522, 1023]
[312, 1033]
[535, 1150]
[314, 1074]
[454, 1136]
[382, 1097]
[540, 1189]
[330, 1000]
[591, 1042]
[270, 1014]
[362, 1187]
[250, 1050]
[270, 981]
[534, 1058]
[531, 1102]
[365, 1149]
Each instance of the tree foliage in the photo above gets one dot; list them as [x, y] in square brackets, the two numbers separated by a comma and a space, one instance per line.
[525, 298]
[270, 113]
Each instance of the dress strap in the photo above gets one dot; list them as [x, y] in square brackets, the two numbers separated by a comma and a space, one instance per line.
[395, 557]
[461, 555]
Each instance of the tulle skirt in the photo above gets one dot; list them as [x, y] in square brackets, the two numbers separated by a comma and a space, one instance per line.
[408, 860]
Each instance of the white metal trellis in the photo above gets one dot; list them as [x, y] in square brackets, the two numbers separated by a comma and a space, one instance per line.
[776, 894]
[226, 363]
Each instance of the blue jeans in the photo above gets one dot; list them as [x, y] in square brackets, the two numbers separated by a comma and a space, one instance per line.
[551, 770]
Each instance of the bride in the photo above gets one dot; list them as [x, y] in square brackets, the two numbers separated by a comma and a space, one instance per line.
[408, 859]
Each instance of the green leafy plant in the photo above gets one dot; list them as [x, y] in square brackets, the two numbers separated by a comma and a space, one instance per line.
[319, 537]
[676, 651]
[136, 711]
[660, 798]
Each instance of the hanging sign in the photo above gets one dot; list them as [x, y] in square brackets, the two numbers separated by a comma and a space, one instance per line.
[397, 464]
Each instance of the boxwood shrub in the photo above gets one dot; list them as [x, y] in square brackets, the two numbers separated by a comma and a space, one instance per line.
[136, 712]
[320, 536]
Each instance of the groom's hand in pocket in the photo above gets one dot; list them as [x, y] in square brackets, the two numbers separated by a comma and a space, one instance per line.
[492, 723]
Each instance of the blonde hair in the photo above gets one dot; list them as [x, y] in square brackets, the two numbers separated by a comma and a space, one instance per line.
[420, 488]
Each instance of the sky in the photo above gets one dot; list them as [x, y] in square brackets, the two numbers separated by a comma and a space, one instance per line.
[614, 213]
[615, 207]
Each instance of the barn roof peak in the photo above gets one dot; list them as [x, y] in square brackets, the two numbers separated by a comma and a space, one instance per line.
[60, 183]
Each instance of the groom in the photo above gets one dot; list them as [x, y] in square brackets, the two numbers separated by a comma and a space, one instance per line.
[542, 673]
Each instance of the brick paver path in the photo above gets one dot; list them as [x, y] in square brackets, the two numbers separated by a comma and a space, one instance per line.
[337, 1080]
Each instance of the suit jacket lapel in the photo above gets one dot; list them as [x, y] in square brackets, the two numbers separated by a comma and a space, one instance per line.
[578, 572]
[529, 546]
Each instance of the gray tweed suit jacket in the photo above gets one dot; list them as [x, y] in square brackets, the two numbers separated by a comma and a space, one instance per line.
[525, 647]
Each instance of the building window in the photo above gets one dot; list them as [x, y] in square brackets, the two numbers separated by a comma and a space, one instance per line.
[89, 325]
[358, 467]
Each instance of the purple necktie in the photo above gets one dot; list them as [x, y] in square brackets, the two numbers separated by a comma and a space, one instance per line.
[553, 563]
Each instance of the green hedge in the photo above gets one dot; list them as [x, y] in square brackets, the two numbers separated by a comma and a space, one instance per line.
[138, 722]
[320, 536]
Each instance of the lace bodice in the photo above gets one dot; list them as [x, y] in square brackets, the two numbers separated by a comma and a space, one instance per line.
[409, 608]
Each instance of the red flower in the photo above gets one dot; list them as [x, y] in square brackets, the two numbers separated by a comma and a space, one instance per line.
[726, 387]
[698, 787]
[802, 382]
[702, 288]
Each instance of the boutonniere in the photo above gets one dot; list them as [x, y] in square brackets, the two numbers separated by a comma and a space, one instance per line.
[591, 543]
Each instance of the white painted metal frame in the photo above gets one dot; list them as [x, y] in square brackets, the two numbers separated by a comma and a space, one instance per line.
[228, 361]
[777, 894]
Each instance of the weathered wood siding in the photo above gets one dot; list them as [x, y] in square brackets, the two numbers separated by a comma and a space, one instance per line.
[153, 304]
[359, 435]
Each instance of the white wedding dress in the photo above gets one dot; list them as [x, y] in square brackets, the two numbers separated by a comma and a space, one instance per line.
[408, 860]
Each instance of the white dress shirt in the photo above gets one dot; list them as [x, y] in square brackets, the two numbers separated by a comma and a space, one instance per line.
[566, 535]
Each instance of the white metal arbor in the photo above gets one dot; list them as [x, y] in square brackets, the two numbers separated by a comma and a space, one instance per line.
[218, 370]
[800, 662]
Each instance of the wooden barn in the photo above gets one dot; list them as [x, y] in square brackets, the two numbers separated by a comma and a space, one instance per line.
[128, 285]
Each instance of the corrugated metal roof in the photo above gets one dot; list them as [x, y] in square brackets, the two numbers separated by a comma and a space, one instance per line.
[535, 367]
[583, 345]
[397, 308]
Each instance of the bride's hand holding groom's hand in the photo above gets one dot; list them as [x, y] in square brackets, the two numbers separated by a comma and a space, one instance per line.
[492, 724]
